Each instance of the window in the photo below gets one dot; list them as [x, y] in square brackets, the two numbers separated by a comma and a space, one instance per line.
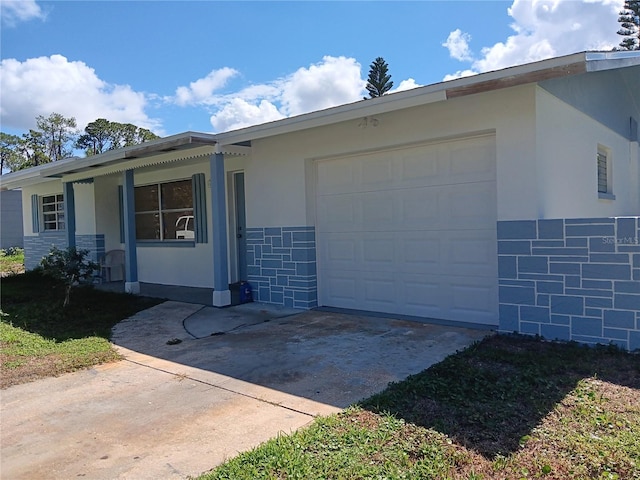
[53, 212]
[604, 174]
[164, 211]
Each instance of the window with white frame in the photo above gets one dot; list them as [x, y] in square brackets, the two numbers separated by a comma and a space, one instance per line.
[604, 173]
[164, 211]
[52, 207]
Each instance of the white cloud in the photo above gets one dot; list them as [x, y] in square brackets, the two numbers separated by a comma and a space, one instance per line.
[548, 28]
[458, 45]
[459, 74]
[333, 81]
[202, 90]
[40, 86]
[406, 85]
[239, 113]
[15, 11]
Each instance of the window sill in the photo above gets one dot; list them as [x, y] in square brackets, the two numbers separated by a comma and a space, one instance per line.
[165, 243]
[606, 196]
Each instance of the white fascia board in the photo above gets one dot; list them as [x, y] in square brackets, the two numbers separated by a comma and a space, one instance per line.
[363, 108]
[24, 181]
[29, 176]
[390, 102]
[598, 61]
[153, 147]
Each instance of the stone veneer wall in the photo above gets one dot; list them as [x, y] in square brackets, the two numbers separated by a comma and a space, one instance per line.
[281, 265]
[571, 279]
[36, 247]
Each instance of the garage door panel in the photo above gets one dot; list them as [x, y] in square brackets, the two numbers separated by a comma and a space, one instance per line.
[337, 212]
[419, 252]
[342, 289]
[379, 253]
[472, 254]
[419, 207]
[378, 211]
[420, 167]
[376, 171]
[336, 177]
[421, 291]
[423, 296]
[472, 298]
[340, 249]
[411, 231]
[379, 292]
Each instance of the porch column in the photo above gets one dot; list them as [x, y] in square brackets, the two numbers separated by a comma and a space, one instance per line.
[221, 292]
[131, 284]
[69, 213]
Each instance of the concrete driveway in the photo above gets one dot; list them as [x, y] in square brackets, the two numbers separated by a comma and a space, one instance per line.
[199, 385]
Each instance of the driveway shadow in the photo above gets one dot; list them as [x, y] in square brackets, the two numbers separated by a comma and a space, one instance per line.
[334, 359]
[493, 394]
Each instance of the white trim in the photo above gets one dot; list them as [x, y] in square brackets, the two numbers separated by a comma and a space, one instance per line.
[200, 153]
[606, 196]
[221, 298]
[132, 287]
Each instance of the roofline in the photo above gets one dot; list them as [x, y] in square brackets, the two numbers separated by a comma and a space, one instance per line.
[65, 166]
[564, 66]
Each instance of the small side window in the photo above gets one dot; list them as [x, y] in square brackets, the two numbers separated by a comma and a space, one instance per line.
[52, 212]
[605, 187]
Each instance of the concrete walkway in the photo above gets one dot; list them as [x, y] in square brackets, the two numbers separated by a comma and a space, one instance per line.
[178, 405]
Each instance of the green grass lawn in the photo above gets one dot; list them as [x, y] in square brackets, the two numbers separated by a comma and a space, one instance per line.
[506, 408]
[40, 338]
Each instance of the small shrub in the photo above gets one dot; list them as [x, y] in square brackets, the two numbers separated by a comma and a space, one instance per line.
[11, 261]
[11, 252]
[70, 266]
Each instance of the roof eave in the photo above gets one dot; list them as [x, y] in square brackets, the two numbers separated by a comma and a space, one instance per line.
[534, 72]
[73, 165]
[517, 75]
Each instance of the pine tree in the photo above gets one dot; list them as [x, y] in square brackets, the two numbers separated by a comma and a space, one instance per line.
[629, 20]
[379, 81]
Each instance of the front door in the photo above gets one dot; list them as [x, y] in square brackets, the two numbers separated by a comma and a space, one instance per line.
[241, 225]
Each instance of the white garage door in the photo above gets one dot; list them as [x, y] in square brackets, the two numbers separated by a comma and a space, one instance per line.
[411, 231]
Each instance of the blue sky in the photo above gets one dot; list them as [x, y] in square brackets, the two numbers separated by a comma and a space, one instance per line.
[208, 66]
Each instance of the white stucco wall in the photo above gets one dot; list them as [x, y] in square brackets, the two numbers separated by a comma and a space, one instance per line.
[84, 205]
[567, 143]
[107, 210]
[53, 187]
[280, 173]
[85, 208]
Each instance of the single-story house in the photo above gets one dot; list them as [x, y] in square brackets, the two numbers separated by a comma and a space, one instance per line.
[509, 199]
